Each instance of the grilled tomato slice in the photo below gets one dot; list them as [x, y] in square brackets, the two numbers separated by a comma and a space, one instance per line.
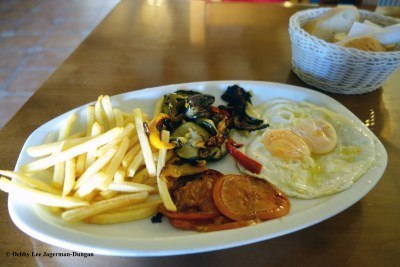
[244, 198]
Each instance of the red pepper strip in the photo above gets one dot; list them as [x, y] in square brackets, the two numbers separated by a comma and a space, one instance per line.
[189, 215]
[244, 160]
[207, 227]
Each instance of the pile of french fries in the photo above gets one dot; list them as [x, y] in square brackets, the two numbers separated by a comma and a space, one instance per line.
[107, 174]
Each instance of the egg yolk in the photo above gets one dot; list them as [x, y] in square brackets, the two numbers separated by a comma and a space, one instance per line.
[285, 144]
[319, 135]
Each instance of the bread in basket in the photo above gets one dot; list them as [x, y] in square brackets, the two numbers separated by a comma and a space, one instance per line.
[335, 68]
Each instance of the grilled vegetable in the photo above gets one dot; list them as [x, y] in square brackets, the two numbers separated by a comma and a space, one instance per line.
[236, 95]
[245, 198]
[241, 123]
[251, 116]
[178, 141]
[199, 130]
[248, 163]
[208, 125]
[174, 107]
[217, 153]
[189, 105]
[195, 148]
[199, 106]
[195, 136]
[239, 105]
[155, 129]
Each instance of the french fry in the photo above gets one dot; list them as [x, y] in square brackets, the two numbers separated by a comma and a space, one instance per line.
[49, 148]
[129, 156]
[129, 119]
[141, 176]
[127, 130]
[80, 164]
[92, 196]
[83, 160]
[90, 119]
[151, 201]
[42, 150]
[76, 135]
[97, 129]
[59, 168]
[108, 194]
[37, 196]
[129, 187]
[98, 111]
[123, 216]
[89, 185]
[119, 175]
[29, 181]
[49, 161]
[58, 175]
[136, 163]
[70, 173]
[134, 140]
[144, 142]
[162, 154]
[164, 193]
[102, 206]
[114, 164]
[108, 109]
[95, 167]
[125, 115]
[161, 181]
[119, 119]
[66, 129]
[97, 197]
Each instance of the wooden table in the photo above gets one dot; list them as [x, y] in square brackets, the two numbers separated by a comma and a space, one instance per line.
[149, 43]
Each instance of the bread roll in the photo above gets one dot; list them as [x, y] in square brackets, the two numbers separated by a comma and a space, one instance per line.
[339, 19]
[367, 43]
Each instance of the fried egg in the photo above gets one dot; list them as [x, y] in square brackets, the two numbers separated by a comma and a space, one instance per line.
[307, 151]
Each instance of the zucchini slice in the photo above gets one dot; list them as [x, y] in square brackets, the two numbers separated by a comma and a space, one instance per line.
[208, 125]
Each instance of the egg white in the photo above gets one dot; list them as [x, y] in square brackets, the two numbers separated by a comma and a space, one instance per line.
[315, 175]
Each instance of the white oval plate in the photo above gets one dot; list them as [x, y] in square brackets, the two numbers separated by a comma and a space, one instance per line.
[143, 238]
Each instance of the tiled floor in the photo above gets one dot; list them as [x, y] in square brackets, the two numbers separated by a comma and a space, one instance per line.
[35, 37]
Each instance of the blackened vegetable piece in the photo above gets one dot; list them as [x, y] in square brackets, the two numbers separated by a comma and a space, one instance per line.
[199, 106]
[251, 114]
[186, 92]
[236, 95]
[188, 105]
[157, 218]
[174, 107]
[239, 105]
[240, 123]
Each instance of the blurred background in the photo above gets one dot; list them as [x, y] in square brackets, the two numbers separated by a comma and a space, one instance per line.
[36, 36]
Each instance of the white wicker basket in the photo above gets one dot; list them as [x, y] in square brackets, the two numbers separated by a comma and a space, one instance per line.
[335, 68]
